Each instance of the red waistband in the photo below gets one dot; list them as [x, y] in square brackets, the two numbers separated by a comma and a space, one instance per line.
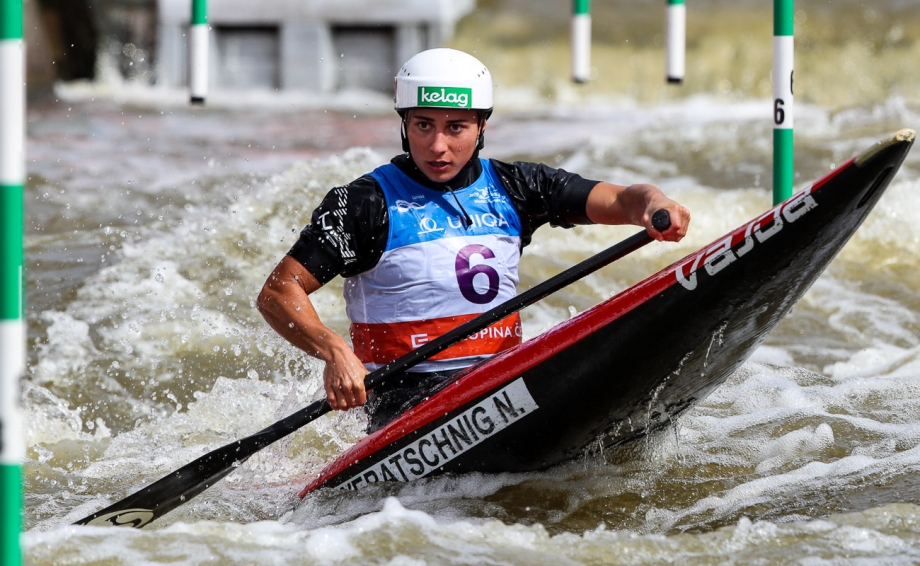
[384, 342]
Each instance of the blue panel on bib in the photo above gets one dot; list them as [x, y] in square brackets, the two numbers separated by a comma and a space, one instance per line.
[419, 214]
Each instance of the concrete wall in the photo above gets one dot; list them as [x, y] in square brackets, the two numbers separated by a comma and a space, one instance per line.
[308, 45]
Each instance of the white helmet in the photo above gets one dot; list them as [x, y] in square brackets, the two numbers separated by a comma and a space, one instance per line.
[444, 78]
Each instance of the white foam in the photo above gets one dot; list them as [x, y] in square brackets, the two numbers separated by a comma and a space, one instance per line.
[396, 535]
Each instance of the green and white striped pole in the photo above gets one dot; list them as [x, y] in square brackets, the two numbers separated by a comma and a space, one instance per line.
[676, 41]
[783, 154]
[581, 41]
[12, 328]
[198, 52]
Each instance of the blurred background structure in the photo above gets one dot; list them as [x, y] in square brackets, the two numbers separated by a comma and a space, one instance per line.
[847, 52]
[309, 45]
[314, 45]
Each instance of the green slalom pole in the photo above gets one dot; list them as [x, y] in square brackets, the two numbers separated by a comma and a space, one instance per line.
[198, 52]
[675, 41]
[783, 154]
[12, 328]
[581, 41]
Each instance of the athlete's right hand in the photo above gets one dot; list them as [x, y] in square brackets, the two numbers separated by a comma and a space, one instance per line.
[343, 379]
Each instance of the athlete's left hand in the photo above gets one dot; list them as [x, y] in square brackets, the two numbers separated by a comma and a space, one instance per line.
[680, 219]
[635, 204]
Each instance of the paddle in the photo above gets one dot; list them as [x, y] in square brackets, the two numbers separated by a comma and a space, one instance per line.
[178, 487]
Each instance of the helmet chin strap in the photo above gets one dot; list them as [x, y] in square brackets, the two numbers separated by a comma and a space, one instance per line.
[480, 141]
[403, 135]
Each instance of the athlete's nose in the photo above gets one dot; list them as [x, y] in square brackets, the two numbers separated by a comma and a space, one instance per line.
[439, 143]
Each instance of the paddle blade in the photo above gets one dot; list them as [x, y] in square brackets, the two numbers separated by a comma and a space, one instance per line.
[173, 490]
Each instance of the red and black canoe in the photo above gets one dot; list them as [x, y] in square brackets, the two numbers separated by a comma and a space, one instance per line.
[629, 365]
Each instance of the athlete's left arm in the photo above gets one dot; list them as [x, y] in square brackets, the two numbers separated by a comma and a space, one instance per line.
[635, 204]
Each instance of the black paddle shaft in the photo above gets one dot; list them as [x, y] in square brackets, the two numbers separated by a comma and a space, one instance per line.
[173, 490]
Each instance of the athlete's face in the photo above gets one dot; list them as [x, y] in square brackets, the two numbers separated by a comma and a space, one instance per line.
[442, 141]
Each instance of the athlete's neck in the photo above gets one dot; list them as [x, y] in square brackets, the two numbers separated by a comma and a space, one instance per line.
[466, 177]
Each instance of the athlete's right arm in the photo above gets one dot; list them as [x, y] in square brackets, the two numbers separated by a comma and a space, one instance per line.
[285, 304]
